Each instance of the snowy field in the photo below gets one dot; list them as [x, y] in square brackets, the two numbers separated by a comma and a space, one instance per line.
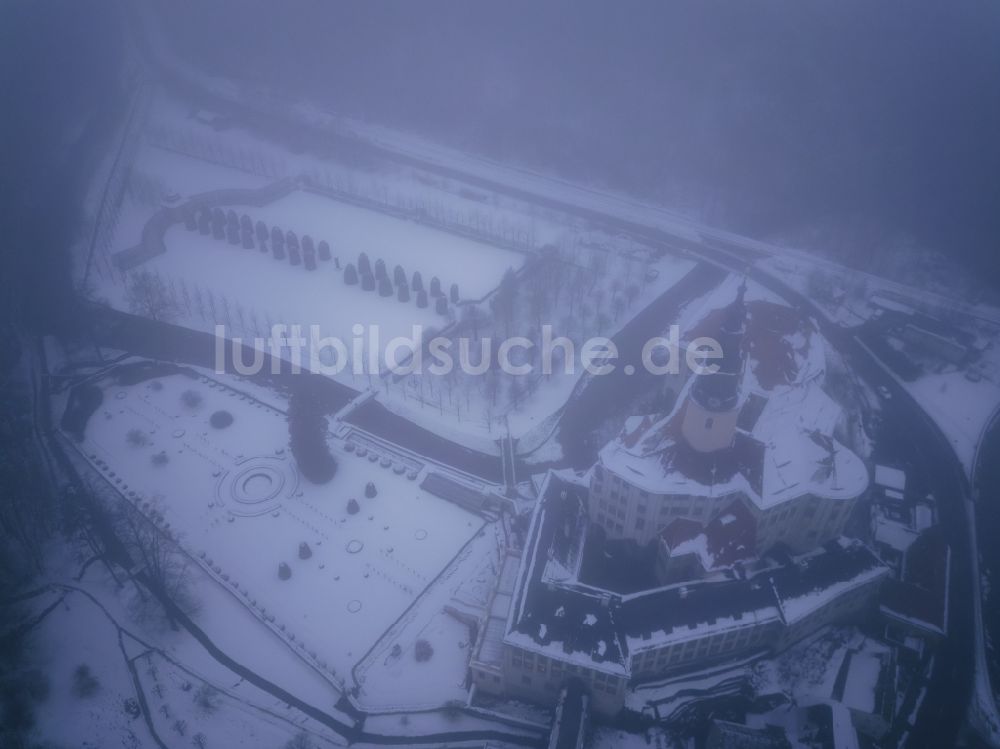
[249, 289]
[475, 266]
[385, 676]
[235, 501]
[841, 294]
[179, 155]
[92, 699]
[590, 291]
[962, 409]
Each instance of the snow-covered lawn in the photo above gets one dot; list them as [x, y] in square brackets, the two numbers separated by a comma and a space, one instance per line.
[592, 292]
[962, 409]
[840, 294]
[808, 670]
[196, 702]
[188, 711]
[475, 266]
[236, 502]
[78, 634]
[270, 291]
[387, 674]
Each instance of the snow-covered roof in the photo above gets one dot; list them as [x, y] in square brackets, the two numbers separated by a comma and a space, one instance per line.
[569, 728]
[729, 537]
[862, 682]
[815, 579]
[557, 617]
[689, 611]
[890, 478]
[783, 446]
[789, 452]
[571, 621]
[920, 599]
[892, 533]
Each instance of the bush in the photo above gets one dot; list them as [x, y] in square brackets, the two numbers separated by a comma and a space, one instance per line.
[137, 438]
[307, 431]
[370, 490]
[191, 398]
[350, 275]
[422, 298]
[367, 281]
[284, 571]
[300, 740]
[85, 684]
[304, 551]
[131, 707]
[220, 419]
[423, 651]
[364, 265]
[353, 508]
[418, 281]
[207, 698]
[441, 305]
[384, 287]
[399, 275]
[403, 294]
[435, 286]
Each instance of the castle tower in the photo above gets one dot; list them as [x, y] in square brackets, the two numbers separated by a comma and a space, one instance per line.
[713, 403]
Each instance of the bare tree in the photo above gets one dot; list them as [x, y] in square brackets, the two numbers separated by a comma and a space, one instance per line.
[158, 559]
[147, 295]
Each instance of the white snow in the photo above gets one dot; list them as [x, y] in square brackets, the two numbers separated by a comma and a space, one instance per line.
[962, 409]
[213, 493]
[892, 478]
[862, 678]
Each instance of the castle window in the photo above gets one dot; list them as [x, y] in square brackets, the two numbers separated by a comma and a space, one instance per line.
[708, 422]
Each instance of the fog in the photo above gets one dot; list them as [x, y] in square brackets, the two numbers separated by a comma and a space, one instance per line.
[214, 532]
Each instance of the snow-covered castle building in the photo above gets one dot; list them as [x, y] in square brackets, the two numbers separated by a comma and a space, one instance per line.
[745, 489]
[756, 434]
[546, 627]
